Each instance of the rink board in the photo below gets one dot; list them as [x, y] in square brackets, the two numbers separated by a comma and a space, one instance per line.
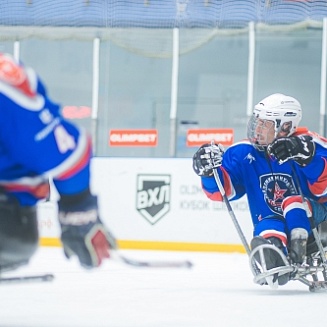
[156, 204]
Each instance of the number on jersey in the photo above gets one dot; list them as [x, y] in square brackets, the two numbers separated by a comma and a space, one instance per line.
[64, 140]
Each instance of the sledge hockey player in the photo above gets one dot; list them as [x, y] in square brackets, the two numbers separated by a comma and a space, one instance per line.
[276, 164]
[37, 144]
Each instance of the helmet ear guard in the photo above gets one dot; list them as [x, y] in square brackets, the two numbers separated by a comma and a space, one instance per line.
[285, 111]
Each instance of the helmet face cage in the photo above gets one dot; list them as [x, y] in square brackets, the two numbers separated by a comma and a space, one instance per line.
[260, 132]
[283, 112]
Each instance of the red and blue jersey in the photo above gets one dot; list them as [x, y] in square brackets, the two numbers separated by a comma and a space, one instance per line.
[36, 143]
[247, 171]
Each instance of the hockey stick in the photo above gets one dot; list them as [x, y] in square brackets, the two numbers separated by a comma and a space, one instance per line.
[311, 220]
[232, 215]
[26, 279]
[231, 211]
[116, 255]
[151, 264]
[157, 264]
[234, 220]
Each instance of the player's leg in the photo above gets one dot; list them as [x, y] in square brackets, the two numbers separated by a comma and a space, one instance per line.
[298, 226]
[271, 231]
[18, 233]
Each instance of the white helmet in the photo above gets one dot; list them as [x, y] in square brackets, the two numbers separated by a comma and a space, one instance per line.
[283, 110]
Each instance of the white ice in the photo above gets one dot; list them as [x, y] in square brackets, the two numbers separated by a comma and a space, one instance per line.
[217, 291]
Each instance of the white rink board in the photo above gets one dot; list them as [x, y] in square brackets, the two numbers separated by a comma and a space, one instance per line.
[186, 214]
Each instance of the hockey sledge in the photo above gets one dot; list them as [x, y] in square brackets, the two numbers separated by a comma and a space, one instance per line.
[311, 273]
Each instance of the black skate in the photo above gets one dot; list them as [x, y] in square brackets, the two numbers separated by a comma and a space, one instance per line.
[273, 267]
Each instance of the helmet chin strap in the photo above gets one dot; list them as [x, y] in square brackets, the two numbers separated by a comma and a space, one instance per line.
[259, 147]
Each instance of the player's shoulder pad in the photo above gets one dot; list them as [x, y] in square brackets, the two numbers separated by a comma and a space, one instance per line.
[241, 144]
[19, 83]
[241, 148]
[317, 138]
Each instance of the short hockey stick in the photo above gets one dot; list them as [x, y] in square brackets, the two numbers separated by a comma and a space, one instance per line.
[234, 220]
[151, 263]
[233, 217]
[26, 279]
[155, 263]
[231, 211]
[116, 255]
[229, 207]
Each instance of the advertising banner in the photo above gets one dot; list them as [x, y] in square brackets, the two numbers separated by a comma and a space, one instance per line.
[156, 200]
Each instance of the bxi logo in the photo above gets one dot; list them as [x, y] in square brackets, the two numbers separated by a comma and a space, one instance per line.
[153, 196]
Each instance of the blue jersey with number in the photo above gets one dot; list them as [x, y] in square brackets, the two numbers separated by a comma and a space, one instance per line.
[36, 143]
[247, 171]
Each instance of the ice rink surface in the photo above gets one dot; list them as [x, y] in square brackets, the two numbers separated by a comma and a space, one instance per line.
[217, 291]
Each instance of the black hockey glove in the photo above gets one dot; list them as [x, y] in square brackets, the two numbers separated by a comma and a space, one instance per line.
[301, 149]
[206, 158]
[82, 232]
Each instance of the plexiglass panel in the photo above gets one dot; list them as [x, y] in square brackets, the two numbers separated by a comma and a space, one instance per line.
[135, 81]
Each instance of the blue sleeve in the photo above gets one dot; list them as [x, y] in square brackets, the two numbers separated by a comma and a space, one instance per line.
[231, 179]
[315, 169]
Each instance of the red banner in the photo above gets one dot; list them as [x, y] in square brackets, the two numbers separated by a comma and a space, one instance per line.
[197, 137]
[76, 112]
[133, 137]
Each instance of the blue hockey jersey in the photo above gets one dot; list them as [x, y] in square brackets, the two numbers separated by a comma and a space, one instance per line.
[36, 143]
[248, 171]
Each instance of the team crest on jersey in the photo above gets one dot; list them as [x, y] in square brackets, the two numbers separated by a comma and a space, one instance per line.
[275, 189]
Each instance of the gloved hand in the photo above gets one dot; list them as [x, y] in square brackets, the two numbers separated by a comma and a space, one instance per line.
[301, 149]
[82, 232]
[208, 157]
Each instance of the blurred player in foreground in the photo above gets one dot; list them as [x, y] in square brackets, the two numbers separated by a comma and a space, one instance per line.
[277, 163]
[36, 144]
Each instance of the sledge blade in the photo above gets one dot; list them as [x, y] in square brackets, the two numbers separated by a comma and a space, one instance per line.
[317, 286]
[263, 275]
[305, 273]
